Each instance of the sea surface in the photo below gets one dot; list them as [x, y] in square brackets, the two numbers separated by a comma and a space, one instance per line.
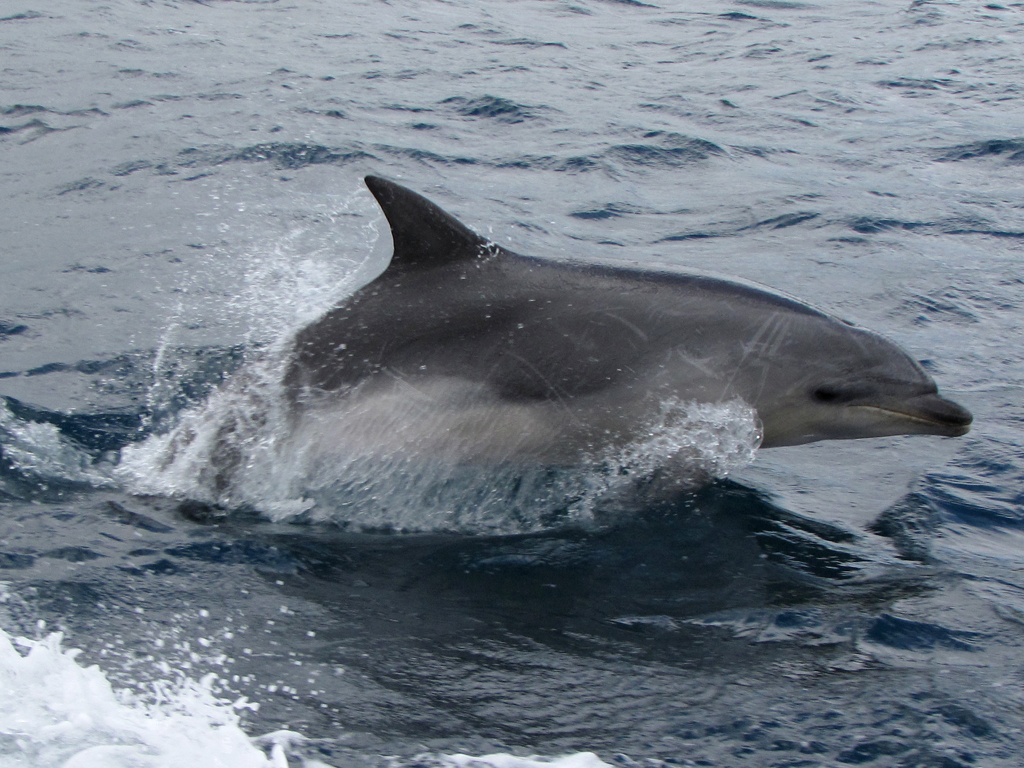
[181, 191]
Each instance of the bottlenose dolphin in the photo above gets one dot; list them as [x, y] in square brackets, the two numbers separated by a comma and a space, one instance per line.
[465, 350]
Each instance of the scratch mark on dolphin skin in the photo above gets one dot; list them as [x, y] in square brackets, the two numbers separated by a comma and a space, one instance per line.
[403, 380]
[560, 397]
[781, 335]
[629, 325]
[749, 347]
[775, 329]
[769, 336]
[699, 363]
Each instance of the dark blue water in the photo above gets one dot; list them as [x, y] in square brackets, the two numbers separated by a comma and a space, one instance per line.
[182, 190]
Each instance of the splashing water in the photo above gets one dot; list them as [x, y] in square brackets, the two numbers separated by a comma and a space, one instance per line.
[238, 451]
[39, 452]
[235, 436]
[693, 441]
[54, 712]
[268, 288]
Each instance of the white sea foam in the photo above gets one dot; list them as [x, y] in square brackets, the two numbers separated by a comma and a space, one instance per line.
[55, 712]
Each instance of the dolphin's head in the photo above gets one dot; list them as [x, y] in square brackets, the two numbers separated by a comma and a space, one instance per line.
[840, 382]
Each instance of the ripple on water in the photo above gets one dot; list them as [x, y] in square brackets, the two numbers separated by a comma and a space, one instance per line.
[495, 107]
[1012, 150]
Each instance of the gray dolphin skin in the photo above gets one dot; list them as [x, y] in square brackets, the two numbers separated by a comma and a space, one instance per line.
[466, 349]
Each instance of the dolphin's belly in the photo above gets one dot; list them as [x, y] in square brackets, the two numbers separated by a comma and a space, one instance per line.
[438, 442]
[460, 421]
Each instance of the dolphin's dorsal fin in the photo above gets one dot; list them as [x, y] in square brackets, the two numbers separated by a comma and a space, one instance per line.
[424, 236]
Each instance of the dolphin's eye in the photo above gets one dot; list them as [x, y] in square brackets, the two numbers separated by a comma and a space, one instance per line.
[826, 394]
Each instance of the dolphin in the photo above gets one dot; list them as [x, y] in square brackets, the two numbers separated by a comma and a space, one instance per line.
[463, 349]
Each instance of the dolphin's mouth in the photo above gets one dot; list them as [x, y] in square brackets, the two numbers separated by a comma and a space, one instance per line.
[941, 416]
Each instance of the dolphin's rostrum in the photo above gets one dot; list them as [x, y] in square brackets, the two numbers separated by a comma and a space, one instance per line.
[495, 356]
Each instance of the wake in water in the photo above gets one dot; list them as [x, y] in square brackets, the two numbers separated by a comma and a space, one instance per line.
[55, 712]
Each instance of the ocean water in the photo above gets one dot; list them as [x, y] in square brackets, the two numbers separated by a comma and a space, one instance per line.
[182, 191]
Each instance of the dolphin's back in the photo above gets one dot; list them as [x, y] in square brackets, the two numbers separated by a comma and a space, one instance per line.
[451, 304]
[529, 329]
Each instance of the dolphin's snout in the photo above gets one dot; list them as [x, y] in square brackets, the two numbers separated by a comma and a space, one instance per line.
[942, 412]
